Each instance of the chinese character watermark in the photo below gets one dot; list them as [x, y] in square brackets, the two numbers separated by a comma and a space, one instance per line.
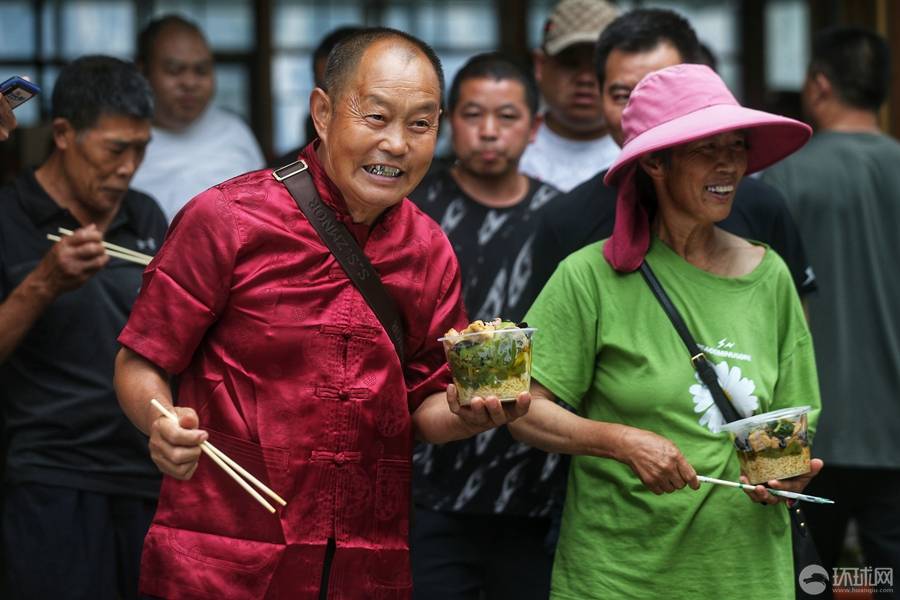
[814, 579]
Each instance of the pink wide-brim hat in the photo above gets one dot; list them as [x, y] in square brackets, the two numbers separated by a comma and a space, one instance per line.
[674, 106]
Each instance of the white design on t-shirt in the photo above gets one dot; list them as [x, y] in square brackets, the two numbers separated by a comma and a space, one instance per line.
[516, 449]
[493, 302]
[542, 196]
[148, 244]
[723, 349]
[423, 456]
[434, 191]
[810, 276]
[521, 273]
[510, 484]
[739, 389]
[455, 212]
[549, 465]
[492, 223]
[482, 440]
[470, 490]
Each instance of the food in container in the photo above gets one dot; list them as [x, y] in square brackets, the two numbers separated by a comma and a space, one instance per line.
[489, 359]
[772, 445]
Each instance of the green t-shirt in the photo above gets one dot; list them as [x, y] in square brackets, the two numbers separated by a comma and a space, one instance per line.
[605, 346]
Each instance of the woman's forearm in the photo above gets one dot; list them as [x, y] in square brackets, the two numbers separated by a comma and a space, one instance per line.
[434, 423]
[552, 428]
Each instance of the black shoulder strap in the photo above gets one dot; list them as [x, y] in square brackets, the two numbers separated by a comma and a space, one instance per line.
[343, 246]
[698, 359]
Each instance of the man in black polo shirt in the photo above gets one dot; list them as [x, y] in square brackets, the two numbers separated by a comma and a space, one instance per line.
[79, 488]
[637, 43]
[484, 505]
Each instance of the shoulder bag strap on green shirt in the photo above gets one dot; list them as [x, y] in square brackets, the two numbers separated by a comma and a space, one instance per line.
[804, 549]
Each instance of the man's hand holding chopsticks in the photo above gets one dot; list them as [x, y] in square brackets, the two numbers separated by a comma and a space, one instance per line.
[73, 260]
[67, 266]
[175, 447]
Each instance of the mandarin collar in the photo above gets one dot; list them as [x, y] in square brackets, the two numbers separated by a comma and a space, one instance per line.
[333, 196]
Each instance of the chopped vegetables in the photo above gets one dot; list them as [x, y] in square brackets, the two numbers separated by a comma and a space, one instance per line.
[774, 449]
[491, 358]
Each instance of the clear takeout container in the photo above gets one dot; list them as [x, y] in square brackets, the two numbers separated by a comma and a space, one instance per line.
[490, 363]
[773, 445]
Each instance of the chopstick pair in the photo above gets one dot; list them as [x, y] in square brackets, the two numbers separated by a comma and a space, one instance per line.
[111, 249]
[785, 494]
[234, 470]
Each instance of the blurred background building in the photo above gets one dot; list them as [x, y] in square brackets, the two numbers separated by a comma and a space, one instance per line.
[263, 48]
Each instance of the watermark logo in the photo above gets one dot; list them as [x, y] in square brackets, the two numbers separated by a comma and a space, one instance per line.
[863, 579]
[813, 579]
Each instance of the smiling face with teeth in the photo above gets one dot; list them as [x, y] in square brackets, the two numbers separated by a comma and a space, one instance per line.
[698, 180]
[379, 130]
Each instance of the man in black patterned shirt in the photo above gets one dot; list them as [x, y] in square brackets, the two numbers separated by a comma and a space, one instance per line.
[483, 505]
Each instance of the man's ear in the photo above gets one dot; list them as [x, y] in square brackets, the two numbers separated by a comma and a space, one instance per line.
[321, 110]
[653, 165]
[63, 133]
[821, 87]
[536, 121]
[539, 58]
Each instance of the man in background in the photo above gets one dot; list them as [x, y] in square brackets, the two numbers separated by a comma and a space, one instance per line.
[483, 505]
[195, 145]
[637, 43]
[844, 191]
[572, 142]
[79, 488]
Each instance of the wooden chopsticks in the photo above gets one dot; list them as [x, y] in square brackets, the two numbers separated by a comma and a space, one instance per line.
[234, 470]
[111, 249]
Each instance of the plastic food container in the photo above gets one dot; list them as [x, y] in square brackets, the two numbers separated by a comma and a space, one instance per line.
[490, 363]
[773, 445]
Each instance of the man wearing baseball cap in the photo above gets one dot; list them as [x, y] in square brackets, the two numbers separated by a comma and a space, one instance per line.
[572, 143]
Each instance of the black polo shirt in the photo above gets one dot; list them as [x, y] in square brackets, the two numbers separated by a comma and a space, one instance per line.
[63, 424]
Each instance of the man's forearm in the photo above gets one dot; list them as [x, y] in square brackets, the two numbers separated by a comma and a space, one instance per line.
[137, 380]
[433, 422]
[21, 309]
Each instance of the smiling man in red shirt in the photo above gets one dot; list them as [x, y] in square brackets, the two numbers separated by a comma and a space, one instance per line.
[286, 366]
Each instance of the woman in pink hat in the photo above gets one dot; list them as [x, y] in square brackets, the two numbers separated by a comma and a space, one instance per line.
[644, 423]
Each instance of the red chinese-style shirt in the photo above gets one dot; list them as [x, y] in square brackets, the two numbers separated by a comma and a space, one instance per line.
[294, 377]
